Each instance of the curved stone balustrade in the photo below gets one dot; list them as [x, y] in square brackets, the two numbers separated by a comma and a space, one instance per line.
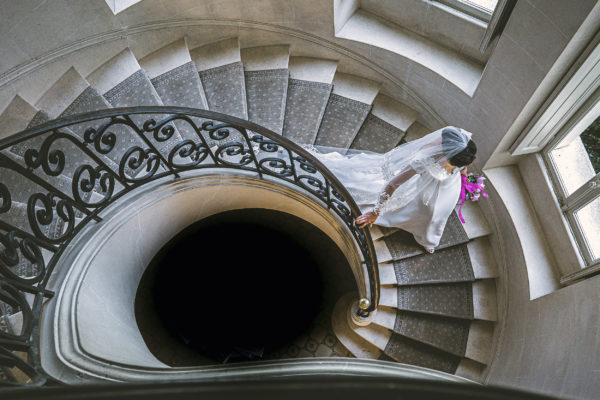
[60, 177]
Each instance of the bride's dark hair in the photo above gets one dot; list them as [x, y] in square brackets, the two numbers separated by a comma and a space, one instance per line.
[464, 157]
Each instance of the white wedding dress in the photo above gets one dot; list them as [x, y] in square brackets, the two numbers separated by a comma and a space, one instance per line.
[421, 205]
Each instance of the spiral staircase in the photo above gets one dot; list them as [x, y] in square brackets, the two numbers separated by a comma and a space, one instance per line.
[435, 311]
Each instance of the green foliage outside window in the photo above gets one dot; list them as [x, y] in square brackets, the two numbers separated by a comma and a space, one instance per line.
[591, 140]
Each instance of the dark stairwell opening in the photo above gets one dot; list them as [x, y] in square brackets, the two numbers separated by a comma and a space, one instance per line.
[243, 285]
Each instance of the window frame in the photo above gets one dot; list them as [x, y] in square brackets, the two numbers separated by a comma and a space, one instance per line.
[470, 9]
[570, 103]
[571, 203]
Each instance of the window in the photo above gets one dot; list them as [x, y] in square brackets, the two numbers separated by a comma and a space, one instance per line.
[573, 159]
[480, 9]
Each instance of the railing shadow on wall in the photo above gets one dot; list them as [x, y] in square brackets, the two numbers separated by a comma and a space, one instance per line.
[59, 176]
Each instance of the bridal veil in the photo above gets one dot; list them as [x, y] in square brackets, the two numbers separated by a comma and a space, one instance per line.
[420, 204]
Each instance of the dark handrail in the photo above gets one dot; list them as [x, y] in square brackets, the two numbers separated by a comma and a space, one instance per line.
[106, 171]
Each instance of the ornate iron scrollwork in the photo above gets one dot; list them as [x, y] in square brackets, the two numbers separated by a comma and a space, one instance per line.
[136, 158]
[46, 210]
[5, 199]
[87, 178]
[103, 171]
[103, 140]
[18, 251]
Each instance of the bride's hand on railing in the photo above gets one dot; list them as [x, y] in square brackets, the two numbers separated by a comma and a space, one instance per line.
[367, 218]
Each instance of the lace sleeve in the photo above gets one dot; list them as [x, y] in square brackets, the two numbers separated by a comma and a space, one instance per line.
[381, 200]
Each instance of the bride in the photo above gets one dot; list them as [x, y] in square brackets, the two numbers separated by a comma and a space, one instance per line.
[414, 186]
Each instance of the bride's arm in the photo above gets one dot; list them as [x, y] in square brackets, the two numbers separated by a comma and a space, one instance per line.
[369, 218]
[391, 187]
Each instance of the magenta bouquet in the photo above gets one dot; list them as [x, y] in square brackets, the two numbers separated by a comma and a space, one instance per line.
[472, 188]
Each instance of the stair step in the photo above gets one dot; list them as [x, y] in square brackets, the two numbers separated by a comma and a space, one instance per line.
[394, 112]
[385, 126]
[416, 131]
[388, 297]
[385, 316]
[409, 351]
[446, 265]
[90, 100]
[466, 300]
[222, 75]
[482, 258]
[484, 300]
[136, 90]
[376, 335]
[182, 87]
[347, 109]
[133, 90]
[475, 223]
[376, 232]
[225, 89]
[21, 188]
[479, 344]
[402, 244]
[309, 88]
[263, 58]
[175, 77]
[444, 333]
[13, 323]
[355, 88]
[216, 54]
[312, 69]
[446, 299]
[114, 71]
[387, 273]
[470, 369]
[166, 58]
[74, 156]
[377, 135]
[266, 74]
[379, 232]
[341, 122]
[382, 249]
[62, 93]
[266, 93]
[16, 116]
[304, 108]
[71, 95]
[17, 217]
[453, 335]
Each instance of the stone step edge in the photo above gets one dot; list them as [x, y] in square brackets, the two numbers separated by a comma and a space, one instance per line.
[478, 342]
[483, 297]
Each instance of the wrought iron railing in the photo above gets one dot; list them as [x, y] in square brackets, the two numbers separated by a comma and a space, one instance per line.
[57, 178]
